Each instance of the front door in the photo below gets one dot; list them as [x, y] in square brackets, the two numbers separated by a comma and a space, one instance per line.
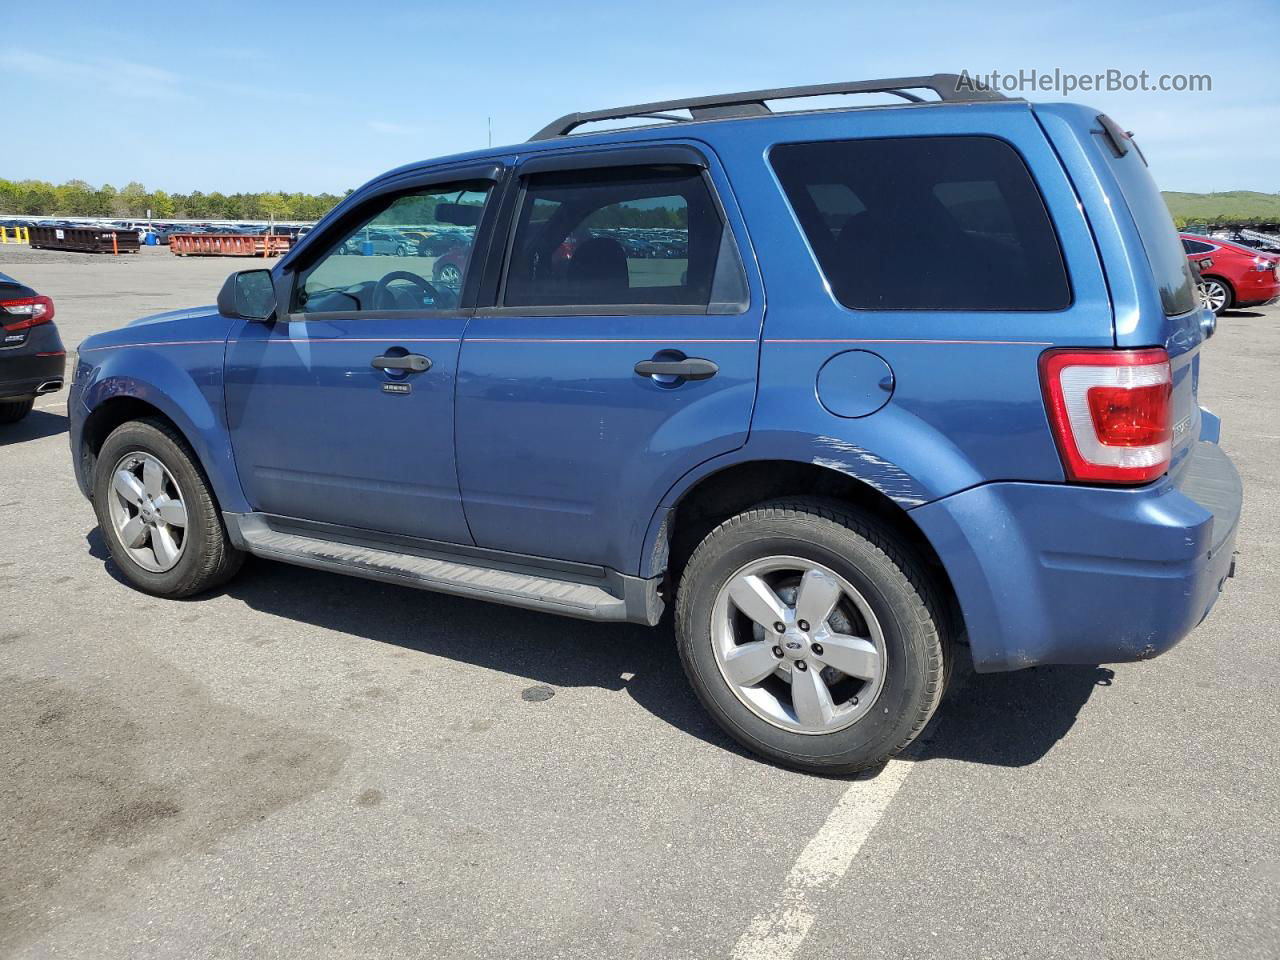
[341, 411]
[621, 352]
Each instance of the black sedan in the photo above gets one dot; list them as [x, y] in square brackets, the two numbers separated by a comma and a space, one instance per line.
[32, 358]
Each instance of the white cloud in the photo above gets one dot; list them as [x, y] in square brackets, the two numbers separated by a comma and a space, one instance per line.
[116, 78]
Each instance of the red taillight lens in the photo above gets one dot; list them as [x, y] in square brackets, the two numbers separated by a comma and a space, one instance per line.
[1111, 412]
[24, 313]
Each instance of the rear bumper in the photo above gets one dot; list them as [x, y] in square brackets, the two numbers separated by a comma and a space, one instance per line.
[41, 362]
[1055, 573]
[1257, 288]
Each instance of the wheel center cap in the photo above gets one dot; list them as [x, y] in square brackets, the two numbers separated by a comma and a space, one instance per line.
[794, 644]
[148, 511]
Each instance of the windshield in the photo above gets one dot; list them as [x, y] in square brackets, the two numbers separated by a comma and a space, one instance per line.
[1155, 225]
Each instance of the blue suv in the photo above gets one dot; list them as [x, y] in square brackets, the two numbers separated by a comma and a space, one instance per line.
[842, 388]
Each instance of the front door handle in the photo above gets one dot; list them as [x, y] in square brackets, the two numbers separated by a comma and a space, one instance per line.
[690, 368]
[414, 362]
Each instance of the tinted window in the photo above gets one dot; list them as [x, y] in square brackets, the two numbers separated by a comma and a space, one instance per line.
[1196, 246]
[633, 235]
[423, 238]
[928, 223]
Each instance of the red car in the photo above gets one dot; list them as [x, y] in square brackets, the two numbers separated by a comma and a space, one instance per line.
[1239, 276]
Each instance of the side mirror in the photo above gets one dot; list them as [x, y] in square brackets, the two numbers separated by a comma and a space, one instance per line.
[248, 295]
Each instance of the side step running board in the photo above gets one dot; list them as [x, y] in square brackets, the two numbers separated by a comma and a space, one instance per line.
[462, 576]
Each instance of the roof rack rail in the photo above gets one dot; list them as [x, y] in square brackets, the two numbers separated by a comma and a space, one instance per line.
[752, 103]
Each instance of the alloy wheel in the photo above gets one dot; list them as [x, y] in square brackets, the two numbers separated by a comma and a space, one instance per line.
[148, 512]
[798, 645]
[1213, 296]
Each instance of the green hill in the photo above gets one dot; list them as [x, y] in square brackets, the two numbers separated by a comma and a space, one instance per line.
[1232, 205]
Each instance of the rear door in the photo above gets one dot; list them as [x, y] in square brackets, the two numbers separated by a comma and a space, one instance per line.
[342, 411]
[619, 351]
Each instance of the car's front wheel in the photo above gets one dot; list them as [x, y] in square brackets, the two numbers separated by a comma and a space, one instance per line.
[11, 411]
[157, 513]
[812, 634]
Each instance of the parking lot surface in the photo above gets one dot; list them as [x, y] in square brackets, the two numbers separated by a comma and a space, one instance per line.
[309, 765]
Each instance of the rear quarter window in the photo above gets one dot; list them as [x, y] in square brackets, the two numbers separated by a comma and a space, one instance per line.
[925, 223]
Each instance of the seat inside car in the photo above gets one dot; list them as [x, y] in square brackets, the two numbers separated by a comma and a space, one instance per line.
[600, 266]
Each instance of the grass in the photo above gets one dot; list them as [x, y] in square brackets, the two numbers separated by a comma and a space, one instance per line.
[1234, 205]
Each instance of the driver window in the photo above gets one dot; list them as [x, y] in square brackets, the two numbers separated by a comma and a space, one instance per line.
[411, 255]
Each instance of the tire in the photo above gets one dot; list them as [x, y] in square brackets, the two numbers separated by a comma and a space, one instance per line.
[206, 557]
[450, 275]
[1216, 294]
[402, 250]
[11, 411]
[893, 597]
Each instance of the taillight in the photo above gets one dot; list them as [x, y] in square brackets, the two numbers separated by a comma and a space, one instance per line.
[1111, 412]
[27, 312]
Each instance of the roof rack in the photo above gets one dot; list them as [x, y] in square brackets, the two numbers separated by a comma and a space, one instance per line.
[752, 103]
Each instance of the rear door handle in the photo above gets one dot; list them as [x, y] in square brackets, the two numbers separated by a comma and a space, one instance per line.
[690, 368]
[415, 362]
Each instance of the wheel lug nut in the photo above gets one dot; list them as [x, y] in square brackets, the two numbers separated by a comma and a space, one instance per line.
[780, 627]
[801, 666]
[803, 625]
[817, 649]
[777, 652]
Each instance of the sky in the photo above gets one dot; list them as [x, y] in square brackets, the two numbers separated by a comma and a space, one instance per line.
[321, 96]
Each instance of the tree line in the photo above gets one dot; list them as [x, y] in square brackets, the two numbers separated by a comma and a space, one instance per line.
[76, 198]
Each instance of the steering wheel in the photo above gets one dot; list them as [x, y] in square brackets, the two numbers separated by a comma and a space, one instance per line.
[382, 292]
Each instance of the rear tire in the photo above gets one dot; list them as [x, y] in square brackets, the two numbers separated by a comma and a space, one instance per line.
[883, 593]
[1217, 295]
[11, 411]
[205, 557]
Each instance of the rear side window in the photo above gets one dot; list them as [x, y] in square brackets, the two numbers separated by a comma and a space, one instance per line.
[1196, 246]
[623, 236]
[925, 223]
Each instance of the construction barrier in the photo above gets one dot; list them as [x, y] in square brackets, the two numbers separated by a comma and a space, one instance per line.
[14, 235]
[84, 239]
[226, 245]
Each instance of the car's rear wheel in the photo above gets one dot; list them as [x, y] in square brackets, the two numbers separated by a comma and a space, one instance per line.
[811, 633]
[1215, 295]
[157, 513]
[11, 411]
[450, 275]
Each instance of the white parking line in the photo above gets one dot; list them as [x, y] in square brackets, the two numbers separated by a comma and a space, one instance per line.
[778, 934]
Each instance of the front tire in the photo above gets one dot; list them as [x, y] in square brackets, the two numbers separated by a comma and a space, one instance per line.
[812, 634]
[157, 513]
[11, 411]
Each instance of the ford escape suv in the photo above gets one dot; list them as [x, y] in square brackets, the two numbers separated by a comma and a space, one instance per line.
[902, 376]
